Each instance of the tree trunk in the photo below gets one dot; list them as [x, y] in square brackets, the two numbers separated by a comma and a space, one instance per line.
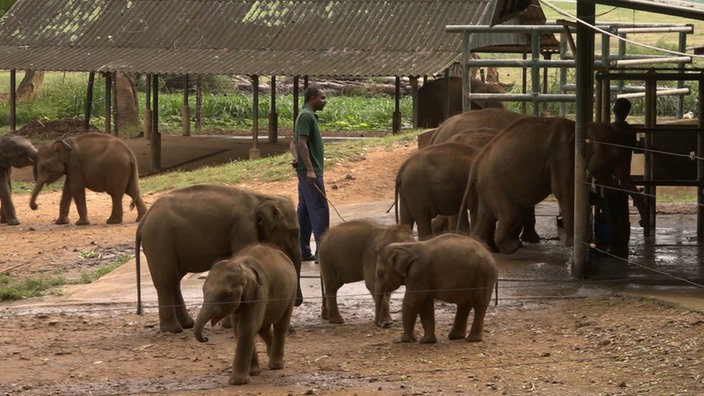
[31, 85]
[126, 104]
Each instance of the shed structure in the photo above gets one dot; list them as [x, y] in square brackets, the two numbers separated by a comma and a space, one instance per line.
[317, 38]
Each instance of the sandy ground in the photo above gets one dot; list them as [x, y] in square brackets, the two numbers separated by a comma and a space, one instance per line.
[583, 342]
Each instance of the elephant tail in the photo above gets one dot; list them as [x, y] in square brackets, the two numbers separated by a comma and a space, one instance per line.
[468, 203]
[137, 259]
[397, 187]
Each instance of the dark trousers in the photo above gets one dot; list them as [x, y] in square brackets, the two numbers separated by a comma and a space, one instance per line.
[616, 211]
[313, 211]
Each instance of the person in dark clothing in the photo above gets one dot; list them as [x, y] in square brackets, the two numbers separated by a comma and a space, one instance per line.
[615, 203]
[308, 155]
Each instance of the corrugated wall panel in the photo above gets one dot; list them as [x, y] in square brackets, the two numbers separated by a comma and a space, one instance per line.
[288, 37]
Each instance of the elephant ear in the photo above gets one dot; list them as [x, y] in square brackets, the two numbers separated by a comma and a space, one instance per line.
[401, 260]
[252, 289]
[63, 148]
[268, 217]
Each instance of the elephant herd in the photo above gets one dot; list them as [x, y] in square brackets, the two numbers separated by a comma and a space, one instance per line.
[97, 161]
[493, 163]
[501, 177]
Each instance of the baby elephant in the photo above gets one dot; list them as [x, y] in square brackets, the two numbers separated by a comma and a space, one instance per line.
[450, 267]
[348, 254]
[257, 287]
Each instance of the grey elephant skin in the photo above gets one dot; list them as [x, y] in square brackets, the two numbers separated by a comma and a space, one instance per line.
[96, 161]
[450, 267]
[348, 254]
[527, 161]
[486, 118]
[257, 289]
[430, 183]
[433, 96]
[189, 229]
[15, 152]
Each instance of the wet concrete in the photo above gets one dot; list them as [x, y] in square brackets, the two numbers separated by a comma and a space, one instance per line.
[666, 265]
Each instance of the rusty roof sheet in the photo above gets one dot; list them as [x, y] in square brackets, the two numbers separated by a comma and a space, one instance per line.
[275, 37]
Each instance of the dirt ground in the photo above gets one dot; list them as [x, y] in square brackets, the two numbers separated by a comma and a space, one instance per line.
[605, 344]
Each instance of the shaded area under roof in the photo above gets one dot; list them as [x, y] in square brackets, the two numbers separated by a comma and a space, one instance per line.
[286, 37]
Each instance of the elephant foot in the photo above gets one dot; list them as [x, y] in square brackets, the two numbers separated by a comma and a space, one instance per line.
[254, 370]
[509, 246]
[474, 338]
[62, 220]
[428, 339]
[408, 338]
[186, 323]
[530, 236]
[455, 336]
[82, 222]
[239, 379]
[170, 326]
[337, 320]
[114, 220]
[13, 222]
[384, 324]
[276, 365]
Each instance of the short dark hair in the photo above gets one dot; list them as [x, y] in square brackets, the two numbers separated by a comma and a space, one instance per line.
[622, 107]
[310, 93]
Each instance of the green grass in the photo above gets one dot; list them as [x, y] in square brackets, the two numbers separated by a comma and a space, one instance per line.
[13, 288]
[275, 168]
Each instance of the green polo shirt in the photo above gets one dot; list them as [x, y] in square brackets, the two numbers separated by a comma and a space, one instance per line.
[307, 125]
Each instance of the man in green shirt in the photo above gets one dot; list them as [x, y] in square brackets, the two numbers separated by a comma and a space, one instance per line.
[308, 155]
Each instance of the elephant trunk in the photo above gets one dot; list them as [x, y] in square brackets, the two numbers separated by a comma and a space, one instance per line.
[37, 189]
[378, 300]
[203, 317]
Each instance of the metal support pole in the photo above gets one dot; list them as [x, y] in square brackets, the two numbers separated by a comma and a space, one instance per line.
[185, 110]
[273, 115]
[254, 150]
[108, 102]
[585, 82]
[155, 138]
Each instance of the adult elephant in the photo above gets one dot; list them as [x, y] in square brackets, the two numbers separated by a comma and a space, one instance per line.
[431, 182]
[432, 99]
[527, 161]
[96, 161]
[477, 139]
[15, 152]
[496, 119]
[189, 229]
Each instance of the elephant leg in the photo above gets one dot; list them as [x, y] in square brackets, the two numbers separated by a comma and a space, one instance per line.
[7, 209]
[483, 225]
[79, 196]
[427, 319]
[246, 361]
[133, 192]
[406, 219]
[477, 329]
[508, 228]
[166, 295]
[425, 229]
[278, 341]
[182, 315]
[116, 215]
[459, 326]
[330, 310]
[409, 312]
[529, 233]
[64, 205]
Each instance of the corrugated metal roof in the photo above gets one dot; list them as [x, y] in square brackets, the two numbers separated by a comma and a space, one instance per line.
[275, 37]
